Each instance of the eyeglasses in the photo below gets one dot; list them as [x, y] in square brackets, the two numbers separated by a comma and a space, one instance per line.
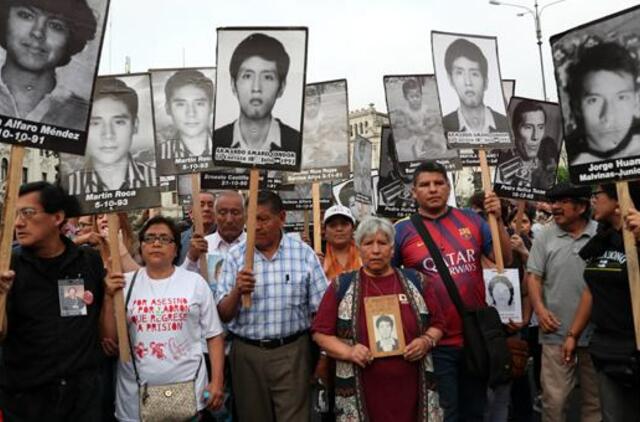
[84, 225]
[27, 213]
[595, 193]
[152, 238]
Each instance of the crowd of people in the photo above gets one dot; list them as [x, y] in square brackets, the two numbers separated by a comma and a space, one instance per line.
[364, 331]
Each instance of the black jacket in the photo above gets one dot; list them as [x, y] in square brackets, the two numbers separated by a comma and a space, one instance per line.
[41, 346]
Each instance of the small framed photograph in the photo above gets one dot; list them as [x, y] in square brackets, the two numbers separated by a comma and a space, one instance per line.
[71, 296]
[384, 326]
[503, 293]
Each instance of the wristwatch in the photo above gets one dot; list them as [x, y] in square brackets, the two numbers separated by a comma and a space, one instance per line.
[570, 334]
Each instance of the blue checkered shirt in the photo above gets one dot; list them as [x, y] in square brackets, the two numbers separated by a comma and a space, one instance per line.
[288, 290]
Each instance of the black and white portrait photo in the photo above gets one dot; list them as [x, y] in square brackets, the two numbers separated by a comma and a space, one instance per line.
[470, 90]
[325, 134]
[362, 168]
[395, 199]
[183, 119]
[416, 120]
[118, 171]
[386, 334]
[260, 81]
[597, 67]
[528, 170]
[48, 63]
[503, 293]
[344, 194]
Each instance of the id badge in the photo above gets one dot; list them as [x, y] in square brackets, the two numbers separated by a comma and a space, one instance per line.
[72, 296]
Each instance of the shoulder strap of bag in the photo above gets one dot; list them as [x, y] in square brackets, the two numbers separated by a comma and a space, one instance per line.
[414, 277]
[344, 281]
[454, 294]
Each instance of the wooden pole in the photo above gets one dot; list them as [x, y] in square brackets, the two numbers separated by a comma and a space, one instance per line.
[13, 182]
[196, 217]
[254, 179]
[307, 223]
[113, 225]
[493, 223]
[631, 251]
[317, 228]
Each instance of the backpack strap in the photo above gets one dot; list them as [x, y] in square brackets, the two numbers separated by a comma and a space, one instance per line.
[343, 282]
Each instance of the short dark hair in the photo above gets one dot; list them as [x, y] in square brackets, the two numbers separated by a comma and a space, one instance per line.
[465, 48]
[609, 56]
[265, 47]
[501, 280]
[173, 227]
[429, 167]
[184, 77]
[384, 318]
[110, 87]
[52, 198]
[529, 211]
[410, 84]
[523, 107]
[76, 13]
[270, 199]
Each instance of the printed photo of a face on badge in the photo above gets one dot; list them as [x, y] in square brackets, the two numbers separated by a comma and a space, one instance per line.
[597, 67]
[260, 82]
[118, 170]
[46, 80]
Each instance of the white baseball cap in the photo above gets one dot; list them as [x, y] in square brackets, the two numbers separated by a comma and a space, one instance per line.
[338, 210]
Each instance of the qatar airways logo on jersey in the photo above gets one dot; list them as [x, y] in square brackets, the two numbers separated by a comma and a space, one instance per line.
[457, 262]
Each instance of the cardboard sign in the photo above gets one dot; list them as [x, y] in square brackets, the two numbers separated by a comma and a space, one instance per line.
[260, 129]
[325, 134]
[596, 68]
[470, 90]
[58, 120]
[118, 171]
[529, 170]
[183, 119]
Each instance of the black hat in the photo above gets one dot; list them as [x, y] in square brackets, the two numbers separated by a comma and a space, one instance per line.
[567, 190]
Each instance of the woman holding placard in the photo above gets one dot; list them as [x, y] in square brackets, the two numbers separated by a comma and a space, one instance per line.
[365, 309]
[606, 303]
[169, 310]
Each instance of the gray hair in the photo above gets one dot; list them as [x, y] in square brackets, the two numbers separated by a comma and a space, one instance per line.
[372, 225]
[229, 194]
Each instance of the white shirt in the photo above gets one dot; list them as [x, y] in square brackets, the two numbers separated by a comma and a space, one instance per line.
[273, 137]
[215, 243]
[489, 123]
[166, 319]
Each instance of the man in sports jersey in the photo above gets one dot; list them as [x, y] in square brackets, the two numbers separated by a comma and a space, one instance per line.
[463, 237]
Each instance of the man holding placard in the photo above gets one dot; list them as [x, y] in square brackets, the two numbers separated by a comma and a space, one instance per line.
[270, 355]
[51, 357]
[463, 237]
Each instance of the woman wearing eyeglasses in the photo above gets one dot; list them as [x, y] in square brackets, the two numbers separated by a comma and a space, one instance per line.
[169, 310]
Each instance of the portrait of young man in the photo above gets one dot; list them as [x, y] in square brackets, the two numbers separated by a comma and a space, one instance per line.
[470, 90]
[259, 72]
[39, 38]
[602, 85]
[534, 160]
[183, 119]
[109, 164]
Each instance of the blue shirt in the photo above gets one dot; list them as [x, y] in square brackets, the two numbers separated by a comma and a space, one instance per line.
[288, 290]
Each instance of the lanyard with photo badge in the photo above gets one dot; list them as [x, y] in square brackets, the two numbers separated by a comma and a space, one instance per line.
[72, 296]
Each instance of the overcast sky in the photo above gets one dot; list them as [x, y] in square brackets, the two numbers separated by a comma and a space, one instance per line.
[360, 40]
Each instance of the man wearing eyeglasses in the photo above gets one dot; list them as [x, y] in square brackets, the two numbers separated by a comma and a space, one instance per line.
[555, 281]
[44, 374]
